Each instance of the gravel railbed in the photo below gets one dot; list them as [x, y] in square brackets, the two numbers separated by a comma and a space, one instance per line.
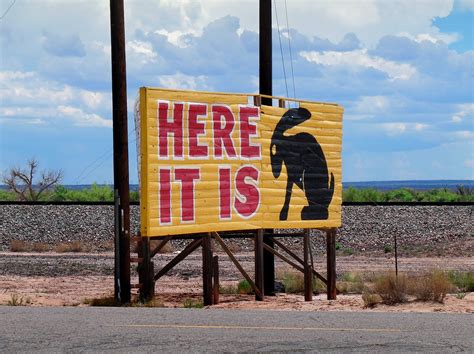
[442, 230]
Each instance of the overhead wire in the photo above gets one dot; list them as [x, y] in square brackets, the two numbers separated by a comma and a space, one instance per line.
[289, 48]
[100, 160]
[281, 47]
[8, 9]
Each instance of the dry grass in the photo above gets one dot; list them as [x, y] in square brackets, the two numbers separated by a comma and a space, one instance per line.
[40, 247]
[370, 300]
[293, 282]
[168, 248]
[391, 289]
[19, 246]
[228, 289]
[351, 282]
[431, 287]
[18, 300]
[76, 246]
[105, 301]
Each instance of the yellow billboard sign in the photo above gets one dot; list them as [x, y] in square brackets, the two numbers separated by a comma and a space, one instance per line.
[214, 162]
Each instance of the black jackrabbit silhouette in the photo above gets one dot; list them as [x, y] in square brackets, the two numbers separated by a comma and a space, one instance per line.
[305, 165]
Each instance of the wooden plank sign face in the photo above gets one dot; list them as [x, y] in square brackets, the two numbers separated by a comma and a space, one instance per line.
[213, 162]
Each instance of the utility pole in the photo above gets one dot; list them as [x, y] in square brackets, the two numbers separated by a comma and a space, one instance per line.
[120, 136]
[265, 70]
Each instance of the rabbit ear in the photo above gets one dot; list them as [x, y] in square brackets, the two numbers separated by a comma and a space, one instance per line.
[276, 160]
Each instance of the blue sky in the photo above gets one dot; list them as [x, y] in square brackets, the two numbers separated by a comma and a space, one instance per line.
[403, 70]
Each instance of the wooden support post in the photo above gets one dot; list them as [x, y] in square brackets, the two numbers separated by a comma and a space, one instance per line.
[308, 274]
[331, 263]
[146, 271]
[207, 270]
[268, 265]
[120, 144]
[215, 285]
[259, 264]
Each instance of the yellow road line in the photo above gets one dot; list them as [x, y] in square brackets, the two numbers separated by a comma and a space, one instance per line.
[183, 326]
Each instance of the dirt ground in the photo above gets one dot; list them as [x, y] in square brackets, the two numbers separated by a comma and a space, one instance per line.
[182, 285]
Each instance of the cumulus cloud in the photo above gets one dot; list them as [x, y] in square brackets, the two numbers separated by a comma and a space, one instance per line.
[361, 58]
[29, 99]
[181, 81]
[83, 119]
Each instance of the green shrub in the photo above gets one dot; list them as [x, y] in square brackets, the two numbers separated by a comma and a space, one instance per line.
[348, 251]
[244, 287]
[387, 249]
[192, 304]
[464, 281]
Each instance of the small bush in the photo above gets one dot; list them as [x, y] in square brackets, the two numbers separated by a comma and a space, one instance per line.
[293, 282]
[18, 300]
[228, 290]
[318, 286]
[76, 246]
[192, 304]
[387, 249]
[370, 300]
[391, 289]
[40, 247]
[464, 281]
[348, 251]
[338, 246]
[19, 246]
[432, 287]
[244, 287]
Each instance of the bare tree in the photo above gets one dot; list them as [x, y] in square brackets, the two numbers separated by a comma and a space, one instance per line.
[21, 181]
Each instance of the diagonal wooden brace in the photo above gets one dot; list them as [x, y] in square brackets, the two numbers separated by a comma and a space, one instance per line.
[236, 263]
[184, 253]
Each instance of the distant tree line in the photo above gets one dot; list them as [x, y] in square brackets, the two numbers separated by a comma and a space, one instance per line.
[23, 184]
[97, 193]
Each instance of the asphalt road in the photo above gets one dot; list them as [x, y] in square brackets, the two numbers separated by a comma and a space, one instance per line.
[27, 329]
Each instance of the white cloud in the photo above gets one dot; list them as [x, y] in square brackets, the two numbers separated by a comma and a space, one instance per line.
[360, 58]
[92, 99]
[28, 99]
[15, 75]
[466, 4]
[398, 128]
[368, 19]
[434, 37]
[181, 81]
[175, 37]
[464, 134]
[80, 118]
[465, 111]
[144, 50]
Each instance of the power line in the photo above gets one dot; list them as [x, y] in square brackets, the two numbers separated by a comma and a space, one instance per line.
[99, 161]
[289, 47]
[9, 7]
[281, 48]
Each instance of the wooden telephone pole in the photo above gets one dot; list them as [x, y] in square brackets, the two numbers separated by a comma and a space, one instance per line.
[265, 70]
[120, 136]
